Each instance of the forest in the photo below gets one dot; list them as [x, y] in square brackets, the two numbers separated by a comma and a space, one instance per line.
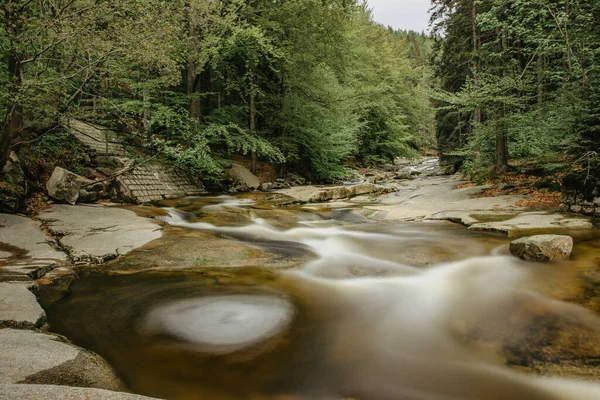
[517, 79]
[305, 84]
[287, 199]
[316, 87]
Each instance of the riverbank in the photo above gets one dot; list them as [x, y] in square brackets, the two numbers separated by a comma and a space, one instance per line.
[49, 253]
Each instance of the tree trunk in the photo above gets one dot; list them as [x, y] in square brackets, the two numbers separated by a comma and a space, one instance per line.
[13, 124]
[252, 120]
[146, 115]
[192, 76]
[501, 139]
[540, 85]
[501, 148]
[475, 38]
[193, 87]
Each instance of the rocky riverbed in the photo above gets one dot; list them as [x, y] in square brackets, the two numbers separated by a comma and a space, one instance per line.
[234, 246]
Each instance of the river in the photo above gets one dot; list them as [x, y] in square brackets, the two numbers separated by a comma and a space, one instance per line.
[247, 298]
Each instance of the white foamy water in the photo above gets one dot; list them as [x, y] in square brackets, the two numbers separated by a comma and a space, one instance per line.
[397, 331]
[221, 324]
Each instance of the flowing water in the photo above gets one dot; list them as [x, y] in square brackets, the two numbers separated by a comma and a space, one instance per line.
[244, 298]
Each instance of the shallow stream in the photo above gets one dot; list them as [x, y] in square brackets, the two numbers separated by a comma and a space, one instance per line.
[246, 298]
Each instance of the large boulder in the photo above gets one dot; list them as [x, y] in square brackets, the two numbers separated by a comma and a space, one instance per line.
[542, 247]
[64, 185]
[243, 179]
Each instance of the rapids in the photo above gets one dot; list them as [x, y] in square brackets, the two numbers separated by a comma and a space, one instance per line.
[370, 310]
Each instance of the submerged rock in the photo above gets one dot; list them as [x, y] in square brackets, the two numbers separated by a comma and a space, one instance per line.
[542, 247]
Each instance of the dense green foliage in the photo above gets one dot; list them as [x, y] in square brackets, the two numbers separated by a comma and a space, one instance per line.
[305, 84]
[519, 78]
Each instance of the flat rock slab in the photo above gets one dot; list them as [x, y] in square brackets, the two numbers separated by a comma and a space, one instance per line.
[19, 307]
[26, 251]
[98, 233]
[535, 221]
[52, 392]
[313, 194]
[427, 198]
[32, 357]
[443, 198]
[25, 239]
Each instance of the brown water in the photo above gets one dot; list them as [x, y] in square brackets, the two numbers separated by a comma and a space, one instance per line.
[245, 299]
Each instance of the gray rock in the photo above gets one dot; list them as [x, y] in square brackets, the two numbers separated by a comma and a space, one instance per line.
[312, 194]
[12, 171]
[587, 211]
[55, 392]
[401, 161]
[32, 357]
[12, 179]
[576, 209]
[64, 185]
[542, 247]
[403, 175]
[534, 221]
[597, 202]
[25, 270]
[97, 233]
[19, 307]
[266, 186]
[29, 252]
[242, 177]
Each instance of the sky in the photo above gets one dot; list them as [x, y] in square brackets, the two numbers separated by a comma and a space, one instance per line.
[401, 14]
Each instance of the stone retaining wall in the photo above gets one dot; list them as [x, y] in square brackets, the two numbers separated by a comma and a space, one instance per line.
[100, 141]
[146, 182]
[151, 182]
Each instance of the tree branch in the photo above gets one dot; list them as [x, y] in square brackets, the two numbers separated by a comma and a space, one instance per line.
[39, 53]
